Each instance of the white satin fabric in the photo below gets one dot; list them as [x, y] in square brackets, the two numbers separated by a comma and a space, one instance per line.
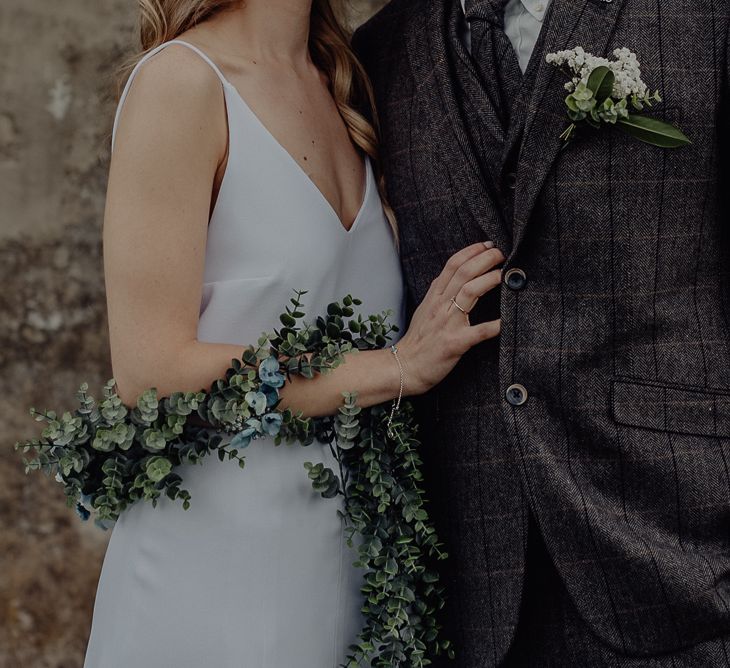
[256, 574]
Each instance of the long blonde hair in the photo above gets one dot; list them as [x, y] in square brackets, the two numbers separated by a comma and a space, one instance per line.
[329, 45]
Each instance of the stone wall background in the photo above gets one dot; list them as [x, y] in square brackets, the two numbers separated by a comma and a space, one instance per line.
[57, 97]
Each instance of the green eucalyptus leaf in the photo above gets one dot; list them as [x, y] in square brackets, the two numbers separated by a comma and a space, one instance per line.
[158, 468]
[287, 320]
[154, 440]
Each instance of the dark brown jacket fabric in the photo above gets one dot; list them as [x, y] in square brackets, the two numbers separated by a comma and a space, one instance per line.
[619, 330]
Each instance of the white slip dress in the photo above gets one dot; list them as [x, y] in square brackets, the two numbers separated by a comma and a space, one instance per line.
[256, 574]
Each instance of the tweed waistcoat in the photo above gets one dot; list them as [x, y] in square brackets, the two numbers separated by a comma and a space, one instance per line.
[495, 100]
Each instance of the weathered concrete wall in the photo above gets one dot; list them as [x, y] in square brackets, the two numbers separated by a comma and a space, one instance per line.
[56, 102]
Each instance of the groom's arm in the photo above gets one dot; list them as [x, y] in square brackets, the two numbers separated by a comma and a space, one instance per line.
[372, 36]
[360, 42]
[374, 41]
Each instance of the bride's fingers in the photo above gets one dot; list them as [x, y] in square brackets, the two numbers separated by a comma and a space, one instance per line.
[469, 270]
[471, 292]
[484, 331]
[455, 262]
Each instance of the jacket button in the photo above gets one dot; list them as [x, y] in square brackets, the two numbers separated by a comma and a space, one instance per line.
[515, 279]
[510, 180]
[516, 395]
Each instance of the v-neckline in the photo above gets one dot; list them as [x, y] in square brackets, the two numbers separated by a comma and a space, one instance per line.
[317, 190]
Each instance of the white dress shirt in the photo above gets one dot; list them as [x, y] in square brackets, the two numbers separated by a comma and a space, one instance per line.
[522, 23]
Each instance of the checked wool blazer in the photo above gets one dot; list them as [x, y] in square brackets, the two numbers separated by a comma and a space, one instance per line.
[620, 333]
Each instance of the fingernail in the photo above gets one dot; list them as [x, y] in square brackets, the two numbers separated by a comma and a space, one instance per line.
[489, 244]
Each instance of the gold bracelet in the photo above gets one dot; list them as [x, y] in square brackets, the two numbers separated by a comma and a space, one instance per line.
[396, 403]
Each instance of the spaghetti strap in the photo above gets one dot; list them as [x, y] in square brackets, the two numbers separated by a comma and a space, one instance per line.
[149, 55]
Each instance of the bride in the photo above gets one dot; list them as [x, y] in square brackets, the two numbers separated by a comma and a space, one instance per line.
[243, 167]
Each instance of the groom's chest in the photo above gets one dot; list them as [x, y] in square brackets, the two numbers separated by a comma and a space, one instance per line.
[437, 182]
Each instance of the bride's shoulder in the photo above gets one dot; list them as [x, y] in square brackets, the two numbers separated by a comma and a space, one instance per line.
[171, 91]
[172, 94]
[175, 73]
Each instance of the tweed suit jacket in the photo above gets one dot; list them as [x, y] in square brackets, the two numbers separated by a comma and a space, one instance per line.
[620, 335]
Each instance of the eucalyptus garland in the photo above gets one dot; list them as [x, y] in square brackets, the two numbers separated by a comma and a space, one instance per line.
[108, 457]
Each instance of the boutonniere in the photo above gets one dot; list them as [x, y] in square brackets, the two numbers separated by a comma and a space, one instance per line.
[603, 91]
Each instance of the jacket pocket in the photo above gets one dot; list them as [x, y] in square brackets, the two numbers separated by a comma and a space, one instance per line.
[665, 407]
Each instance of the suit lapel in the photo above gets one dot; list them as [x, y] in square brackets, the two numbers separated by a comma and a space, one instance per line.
[570, 23]
[430, 54]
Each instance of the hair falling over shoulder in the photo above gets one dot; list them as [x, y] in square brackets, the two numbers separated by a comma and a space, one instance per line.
[163, 20]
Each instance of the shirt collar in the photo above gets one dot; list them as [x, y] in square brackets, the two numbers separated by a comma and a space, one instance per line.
[537, 8]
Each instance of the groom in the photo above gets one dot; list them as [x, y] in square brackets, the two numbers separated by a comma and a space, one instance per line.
[579, 465]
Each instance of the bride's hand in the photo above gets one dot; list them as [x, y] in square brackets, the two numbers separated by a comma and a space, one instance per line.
[440, 332]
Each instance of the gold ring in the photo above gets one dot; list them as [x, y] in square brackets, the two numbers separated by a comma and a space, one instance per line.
[455, 303]
[466, 313]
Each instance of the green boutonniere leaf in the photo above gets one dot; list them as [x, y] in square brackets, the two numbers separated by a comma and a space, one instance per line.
[600, 82]
[653, 131]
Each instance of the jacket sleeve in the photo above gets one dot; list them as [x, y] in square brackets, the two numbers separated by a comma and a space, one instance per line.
[363, 44]
[376, 37]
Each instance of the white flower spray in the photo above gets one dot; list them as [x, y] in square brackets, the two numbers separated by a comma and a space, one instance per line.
[580, 63]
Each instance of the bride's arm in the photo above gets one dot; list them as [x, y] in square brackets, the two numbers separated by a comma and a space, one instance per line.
[170, 143]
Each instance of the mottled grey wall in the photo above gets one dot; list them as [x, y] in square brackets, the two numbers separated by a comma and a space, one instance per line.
[56, 104]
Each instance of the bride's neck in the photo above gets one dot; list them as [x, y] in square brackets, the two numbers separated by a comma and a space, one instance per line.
[268, 29]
